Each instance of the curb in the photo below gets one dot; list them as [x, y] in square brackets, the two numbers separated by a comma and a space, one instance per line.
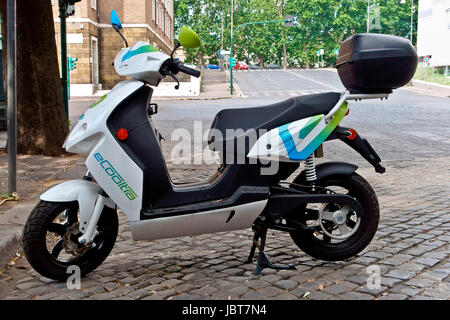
[164, 98]
[11, 230]
[189, 98]
[9, 245]
[431, 88]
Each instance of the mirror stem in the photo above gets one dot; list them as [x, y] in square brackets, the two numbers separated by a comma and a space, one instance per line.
[116, 28]
[177, 45]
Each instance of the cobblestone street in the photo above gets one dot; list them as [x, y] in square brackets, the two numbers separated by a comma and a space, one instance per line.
[411, 249]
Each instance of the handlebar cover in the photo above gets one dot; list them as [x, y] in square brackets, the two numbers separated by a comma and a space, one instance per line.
[189, 71]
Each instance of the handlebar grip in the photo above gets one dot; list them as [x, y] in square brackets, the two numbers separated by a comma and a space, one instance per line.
[189, 71]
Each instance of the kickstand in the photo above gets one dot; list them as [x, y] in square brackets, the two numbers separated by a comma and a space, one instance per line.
[263, 260]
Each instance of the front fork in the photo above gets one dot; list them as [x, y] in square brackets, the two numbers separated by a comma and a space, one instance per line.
[91, 228]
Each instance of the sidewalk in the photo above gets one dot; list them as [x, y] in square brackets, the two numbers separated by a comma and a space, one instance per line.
[431, 88]
[214, 87]
[34, 175]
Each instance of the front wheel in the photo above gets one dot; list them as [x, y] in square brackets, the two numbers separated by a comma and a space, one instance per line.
[50, 239]
[335, 232]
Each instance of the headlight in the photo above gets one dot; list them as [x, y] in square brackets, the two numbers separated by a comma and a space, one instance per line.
[67, 138]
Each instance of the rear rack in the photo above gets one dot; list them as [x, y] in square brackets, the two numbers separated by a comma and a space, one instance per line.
[345, 96]
[365, 96]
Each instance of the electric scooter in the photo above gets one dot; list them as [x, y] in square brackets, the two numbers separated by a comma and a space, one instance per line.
[329, 210]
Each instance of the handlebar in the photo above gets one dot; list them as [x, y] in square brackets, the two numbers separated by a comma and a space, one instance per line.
[189, 71]
[173, 67]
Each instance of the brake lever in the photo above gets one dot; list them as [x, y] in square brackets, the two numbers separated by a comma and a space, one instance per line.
[174, 78]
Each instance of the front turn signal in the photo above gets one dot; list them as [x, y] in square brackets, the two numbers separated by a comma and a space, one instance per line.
[122, 134]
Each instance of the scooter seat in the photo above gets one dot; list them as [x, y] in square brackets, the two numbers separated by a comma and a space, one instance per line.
[267, 117]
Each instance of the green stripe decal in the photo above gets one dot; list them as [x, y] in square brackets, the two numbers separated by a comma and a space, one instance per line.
[290, 145]
[143, 49]
[98, 102]
[312, 123]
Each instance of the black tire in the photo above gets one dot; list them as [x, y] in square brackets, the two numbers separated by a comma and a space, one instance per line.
[320, 249]
[35, 239]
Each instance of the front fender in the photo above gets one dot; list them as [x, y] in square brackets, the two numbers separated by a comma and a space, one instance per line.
[83, 191]
[328, 169]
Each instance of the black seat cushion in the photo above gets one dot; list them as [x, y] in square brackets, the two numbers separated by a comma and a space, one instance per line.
[251, 122]
[275, 115]
[268, 117]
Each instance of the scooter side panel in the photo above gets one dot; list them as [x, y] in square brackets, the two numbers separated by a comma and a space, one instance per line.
[91, 126]
[118, 175]
[198, 223]
[297, 140]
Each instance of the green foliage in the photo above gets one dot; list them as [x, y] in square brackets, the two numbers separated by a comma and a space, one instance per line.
[323, 24]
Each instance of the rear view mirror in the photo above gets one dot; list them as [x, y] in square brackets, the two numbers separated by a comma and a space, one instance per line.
[188, 38]
[115, 21]
[117, 25]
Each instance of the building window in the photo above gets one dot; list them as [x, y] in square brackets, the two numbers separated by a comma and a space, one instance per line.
[94, 4]
[157, 13]
[153, 9]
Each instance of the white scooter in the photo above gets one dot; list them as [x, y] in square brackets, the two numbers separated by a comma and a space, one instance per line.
[76, 223]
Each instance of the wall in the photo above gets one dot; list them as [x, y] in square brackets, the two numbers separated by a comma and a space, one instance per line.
[433, 36]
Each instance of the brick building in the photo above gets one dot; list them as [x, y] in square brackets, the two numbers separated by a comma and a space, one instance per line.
[92, 40]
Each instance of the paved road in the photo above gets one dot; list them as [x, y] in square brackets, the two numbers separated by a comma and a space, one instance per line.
[406, 126]
[411, 249]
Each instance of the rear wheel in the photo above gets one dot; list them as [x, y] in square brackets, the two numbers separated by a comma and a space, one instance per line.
[50, 239]
[335, 232]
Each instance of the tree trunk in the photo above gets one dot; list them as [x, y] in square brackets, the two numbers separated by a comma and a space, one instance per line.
[307, 64]
[261, 61]
[42, 124]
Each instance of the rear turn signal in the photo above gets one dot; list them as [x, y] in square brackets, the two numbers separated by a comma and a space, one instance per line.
[348, 111]
[353, 134]
[122, 134]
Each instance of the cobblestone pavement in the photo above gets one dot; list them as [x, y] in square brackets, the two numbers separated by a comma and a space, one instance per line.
[411, 248]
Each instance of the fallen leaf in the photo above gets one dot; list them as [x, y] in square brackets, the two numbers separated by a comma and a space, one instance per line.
[320, 287]
[310, 280]
[21, 267]
[306, 294]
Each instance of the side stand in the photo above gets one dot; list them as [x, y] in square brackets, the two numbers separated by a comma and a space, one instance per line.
[263, 260]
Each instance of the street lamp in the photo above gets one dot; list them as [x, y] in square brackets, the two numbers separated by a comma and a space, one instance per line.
[368, 14]
[412, 17]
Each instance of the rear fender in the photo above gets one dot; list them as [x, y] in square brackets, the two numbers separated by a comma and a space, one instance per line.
[83, 191]
[328, 169]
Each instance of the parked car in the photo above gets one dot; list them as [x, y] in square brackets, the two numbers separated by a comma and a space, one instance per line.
[241, 65]
[254, 67]
[212, 66]
[273, 66]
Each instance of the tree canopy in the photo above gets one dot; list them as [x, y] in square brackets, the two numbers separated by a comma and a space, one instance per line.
[322, 24]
